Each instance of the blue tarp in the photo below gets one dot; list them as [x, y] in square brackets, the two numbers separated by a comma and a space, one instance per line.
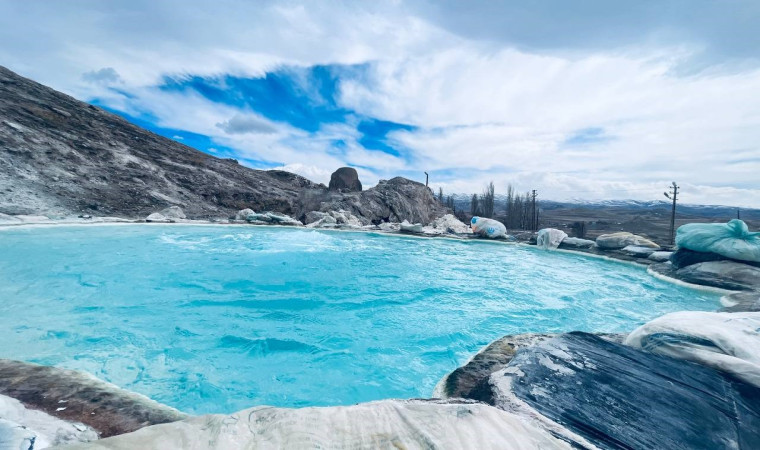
[732, 240]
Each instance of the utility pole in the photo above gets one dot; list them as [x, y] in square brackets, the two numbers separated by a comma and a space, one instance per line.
[673, 195]
[426, 179]
[534, 216]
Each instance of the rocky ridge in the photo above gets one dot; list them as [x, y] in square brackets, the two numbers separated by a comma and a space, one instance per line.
[61, 157]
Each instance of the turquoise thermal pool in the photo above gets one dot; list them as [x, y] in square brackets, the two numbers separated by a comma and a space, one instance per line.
[221, 318]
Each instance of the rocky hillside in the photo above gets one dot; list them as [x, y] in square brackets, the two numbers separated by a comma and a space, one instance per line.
[60, 156]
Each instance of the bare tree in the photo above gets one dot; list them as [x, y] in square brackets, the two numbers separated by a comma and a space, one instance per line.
[474, 205]
[487, 200]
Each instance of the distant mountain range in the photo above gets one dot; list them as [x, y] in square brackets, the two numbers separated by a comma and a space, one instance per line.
[462, 202]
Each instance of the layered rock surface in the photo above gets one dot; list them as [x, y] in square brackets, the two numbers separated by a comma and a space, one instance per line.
[387, 424]
[595, 392]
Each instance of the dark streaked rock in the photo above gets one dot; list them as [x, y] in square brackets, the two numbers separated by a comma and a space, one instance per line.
[618, 397]
[78, 397]
[345, 179]
[684, 257]
[470, 381]
[722, 274]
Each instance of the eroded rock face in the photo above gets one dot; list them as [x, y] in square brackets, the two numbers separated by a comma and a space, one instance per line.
[614, 396]
[623, 239]
[394, 200]
[77, 397]
[62, 157]
[345, 179]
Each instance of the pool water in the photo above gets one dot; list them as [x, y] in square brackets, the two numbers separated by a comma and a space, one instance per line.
[221, 318]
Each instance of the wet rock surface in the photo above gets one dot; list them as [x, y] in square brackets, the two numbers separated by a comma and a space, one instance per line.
[615, 396]
[471, 380]
[77, 397]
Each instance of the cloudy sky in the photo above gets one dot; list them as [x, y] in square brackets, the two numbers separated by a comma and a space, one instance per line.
[579, 100]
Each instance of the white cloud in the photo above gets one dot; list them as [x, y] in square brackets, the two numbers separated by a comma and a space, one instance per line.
[486, 107]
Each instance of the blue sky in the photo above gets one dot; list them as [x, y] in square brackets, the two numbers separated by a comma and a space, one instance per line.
[588, 100]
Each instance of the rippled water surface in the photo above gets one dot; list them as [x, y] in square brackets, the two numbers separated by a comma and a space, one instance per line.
[220, 318]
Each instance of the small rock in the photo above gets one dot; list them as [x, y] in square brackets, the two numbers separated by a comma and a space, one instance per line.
[615, 241]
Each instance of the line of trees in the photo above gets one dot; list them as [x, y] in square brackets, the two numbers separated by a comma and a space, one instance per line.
[520, 211]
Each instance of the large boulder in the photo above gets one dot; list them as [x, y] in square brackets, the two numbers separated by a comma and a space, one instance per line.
[600, 394]
[385, 424]
[616, 241]
[407, 227]
[725, 341]
[345, 179]
[550, 238]
[489, 228]
[731, 240]
[722, 274]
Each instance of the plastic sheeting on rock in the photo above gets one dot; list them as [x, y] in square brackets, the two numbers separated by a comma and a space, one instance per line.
[270, 218]
[725, 341]
[622, 239]
[488, 227]
[615, 396]
[386, 424]
[447, 224]
[549, 238]
[407, 227]
[637, 251]
[731, 240]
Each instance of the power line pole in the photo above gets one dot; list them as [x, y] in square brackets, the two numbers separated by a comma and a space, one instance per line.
[534, 217]
[426, 179]
[673, 195]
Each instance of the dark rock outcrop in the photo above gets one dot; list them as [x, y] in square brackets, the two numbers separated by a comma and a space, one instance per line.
[471, 380]
[724, 274]
[684, 257]
[617, 397]
[394, 200]
[78, 397]
[345, 179]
